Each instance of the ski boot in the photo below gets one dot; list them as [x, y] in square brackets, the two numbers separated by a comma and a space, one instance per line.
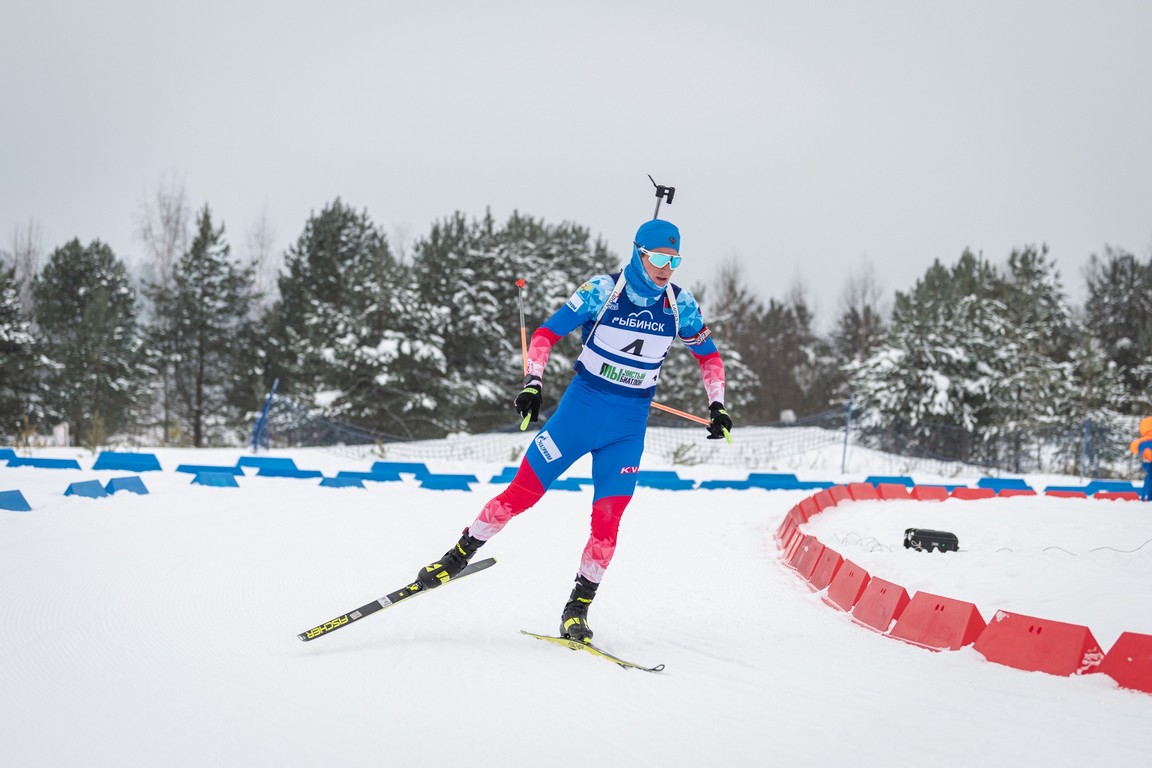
[454, 560]
[574, 619]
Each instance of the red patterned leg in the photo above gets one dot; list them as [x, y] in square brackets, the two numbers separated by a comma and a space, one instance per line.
[606, 514]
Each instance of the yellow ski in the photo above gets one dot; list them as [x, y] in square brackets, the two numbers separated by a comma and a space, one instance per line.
[578, 646]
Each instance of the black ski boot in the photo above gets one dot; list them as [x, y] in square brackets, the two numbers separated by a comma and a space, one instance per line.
[574, 619]
[454, 560]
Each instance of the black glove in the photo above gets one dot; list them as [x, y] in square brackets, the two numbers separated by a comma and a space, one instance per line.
[720, 421]
[530, 398]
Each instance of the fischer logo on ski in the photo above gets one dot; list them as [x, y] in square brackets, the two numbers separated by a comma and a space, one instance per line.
[391, 598]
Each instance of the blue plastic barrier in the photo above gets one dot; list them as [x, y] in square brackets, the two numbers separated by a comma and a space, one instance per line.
[342, 482]
[448, 482]
[128, 462]
[505, 475]
[773, 481]
[197, 469]
[266, 462]
[570, 483]
[876, 480]
[666, 480]
[6, 454]
[738, 485]
[90, 489]
[401, 467]
[1110, 486]
[284, 472]
[216, 479]
[376, 477]
[782, 481]
[814, 485]
[19, 461]
[1003, 484]
[14, 501]
[131, 484]
[1067, 489]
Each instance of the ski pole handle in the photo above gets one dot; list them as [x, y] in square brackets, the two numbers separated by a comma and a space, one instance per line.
[690, 417]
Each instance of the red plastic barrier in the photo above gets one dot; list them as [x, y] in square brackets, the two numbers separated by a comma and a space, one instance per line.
[796, 517]
[1015, 640]
[929, 492]
[862, 492]
[1118, 495]
[795, 535]
[847, 585]
[800, 512]
[1039, 645]
[824, 499]
[881, 603]
[795, 539]
[808, 508]
[840, 493]
[891, 491]
[938, 622]
[826, 568]
[805, 556]
[1130, 662]
[1067, 494]
[971, 494]
[791, 522]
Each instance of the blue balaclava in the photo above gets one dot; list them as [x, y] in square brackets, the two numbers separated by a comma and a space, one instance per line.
[651, 235]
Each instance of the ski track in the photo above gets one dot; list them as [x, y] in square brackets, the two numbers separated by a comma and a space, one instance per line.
[161, 629]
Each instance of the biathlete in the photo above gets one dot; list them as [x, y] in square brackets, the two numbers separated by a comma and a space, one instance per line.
[628, 322]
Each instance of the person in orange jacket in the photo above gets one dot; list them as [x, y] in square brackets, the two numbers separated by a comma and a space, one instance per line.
[1142, 447]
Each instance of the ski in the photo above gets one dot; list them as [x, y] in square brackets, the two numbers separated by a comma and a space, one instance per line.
[391, 598]
[578, 646]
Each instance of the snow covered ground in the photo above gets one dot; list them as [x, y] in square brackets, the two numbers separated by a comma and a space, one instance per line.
[160, 629]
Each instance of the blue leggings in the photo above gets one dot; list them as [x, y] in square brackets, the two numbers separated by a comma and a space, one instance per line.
[611, 427]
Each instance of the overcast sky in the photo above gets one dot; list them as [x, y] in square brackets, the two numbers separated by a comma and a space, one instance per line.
[805, 139]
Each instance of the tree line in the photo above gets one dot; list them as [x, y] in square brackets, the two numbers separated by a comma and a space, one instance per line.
[424, 341]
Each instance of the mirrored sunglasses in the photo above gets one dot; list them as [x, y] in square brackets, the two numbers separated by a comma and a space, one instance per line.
[660, 260]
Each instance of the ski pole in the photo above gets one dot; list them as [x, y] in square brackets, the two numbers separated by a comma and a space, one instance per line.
[690, 417]
[523, 341]
[523, 332]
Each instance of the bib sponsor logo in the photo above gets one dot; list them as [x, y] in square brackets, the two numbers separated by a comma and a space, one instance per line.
[642, 320]
[622, 375]
[547, 447]
[630, 470]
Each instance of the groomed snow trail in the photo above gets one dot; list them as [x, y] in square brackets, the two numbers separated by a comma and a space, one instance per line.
[161, 630]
